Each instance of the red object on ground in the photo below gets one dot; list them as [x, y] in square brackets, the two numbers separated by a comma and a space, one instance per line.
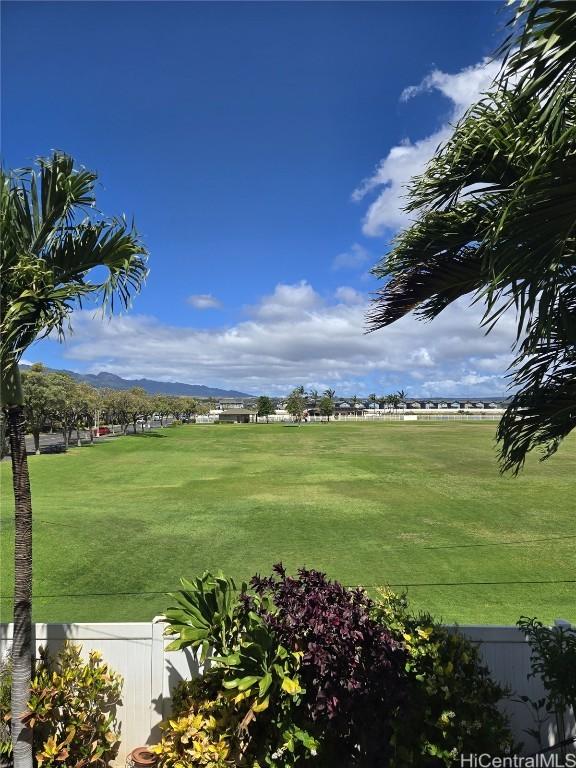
[100, 431]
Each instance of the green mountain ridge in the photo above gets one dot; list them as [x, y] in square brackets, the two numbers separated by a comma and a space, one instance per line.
[112, 381]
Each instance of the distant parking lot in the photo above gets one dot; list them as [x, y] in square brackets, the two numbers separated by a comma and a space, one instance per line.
[54, 442]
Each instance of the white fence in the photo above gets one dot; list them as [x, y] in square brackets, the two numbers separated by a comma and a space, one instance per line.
[411, 416]
[407, 416]
[136, 650]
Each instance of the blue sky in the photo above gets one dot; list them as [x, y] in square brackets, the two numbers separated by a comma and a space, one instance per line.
[262, 148]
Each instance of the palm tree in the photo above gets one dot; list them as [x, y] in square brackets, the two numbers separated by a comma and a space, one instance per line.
[52, 239]
[330, 393]
[496, 217]
[354, 403]
[373, 399]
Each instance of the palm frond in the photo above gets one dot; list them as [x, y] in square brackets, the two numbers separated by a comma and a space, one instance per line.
[49, 248]
[540, 50]
[496, 215]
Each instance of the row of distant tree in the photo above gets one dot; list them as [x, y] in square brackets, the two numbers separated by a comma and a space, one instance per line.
[58, 402]
[299, 402]
[55, 401]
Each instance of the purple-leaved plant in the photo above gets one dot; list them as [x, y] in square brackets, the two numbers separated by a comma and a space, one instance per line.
[350, 665]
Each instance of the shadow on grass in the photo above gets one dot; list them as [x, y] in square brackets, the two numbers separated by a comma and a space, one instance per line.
[145, 434]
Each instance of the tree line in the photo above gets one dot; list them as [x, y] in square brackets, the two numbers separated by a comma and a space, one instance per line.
[299, 401]
[57, 402]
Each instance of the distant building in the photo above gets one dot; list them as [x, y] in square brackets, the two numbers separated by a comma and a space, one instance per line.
[237, 416]
[226, 403]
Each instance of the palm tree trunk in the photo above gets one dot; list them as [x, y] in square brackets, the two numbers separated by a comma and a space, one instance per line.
[3, 435]
[22, 640]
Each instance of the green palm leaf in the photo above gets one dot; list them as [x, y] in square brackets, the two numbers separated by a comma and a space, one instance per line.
[496, 217]
[52, 240]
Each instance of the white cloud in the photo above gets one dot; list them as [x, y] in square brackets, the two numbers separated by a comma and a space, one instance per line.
[410, 157]
[286, 300]
[293, 337]
[462, 88]
[348, 295]
[468, 384]
[204, 301]
[355, 257]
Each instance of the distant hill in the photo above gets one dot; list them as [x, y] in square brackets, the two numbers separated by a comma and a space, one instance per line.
[105, 379]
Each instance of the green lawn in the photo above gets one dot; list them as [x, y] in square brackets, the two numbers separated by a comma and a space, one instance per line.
[396, 503]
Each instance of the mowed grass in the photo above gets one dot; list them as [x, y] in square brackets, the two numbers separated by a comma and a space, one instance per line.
[413, 504]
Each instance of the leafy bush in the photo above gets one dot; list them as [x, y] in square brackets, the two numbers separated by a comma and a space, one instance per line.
[5, 694]
[197, 738]
[253, 686]
[72, 710]
[350, 662]
[450, 703]
[307, 672]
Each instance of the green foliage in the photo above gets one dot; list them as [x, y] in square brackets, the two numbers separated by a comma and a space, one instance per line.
[5, 704]
[72, 710]
[244, 708]
[265, 406]
[327, 407]
[450, 699]
[52, 239]
[59, 399]
[296, 404]
[187, 406]
[250, 707]
[197, 738]
[494, 215]
[205, 615]
[553, 660]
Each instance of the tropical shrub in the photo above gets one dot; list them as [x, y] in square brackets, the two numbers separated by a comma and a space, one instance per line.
[197, 737]
[350, 662]
[450, 704]
[5, 695]
[308, 672]
[304, 671]
[72, 710]
[247, 698]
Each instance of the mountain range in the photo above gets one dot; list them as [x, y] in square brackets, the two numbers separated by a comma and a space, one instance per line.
[110, 380]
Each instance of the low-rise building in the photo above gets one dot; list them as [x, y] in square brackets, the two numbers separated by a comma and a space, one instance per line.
[237, 416]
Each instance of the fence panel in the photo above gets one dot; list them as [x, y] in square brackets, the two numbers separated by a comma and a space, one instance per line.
[137, 652]
[507, 655]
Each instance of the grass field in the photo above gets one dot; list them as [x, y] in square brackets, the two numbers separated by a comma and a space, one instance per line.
[384, 503]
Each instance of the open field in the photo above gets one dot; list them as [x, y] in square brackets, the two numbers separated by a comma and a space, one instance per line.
[397, 503]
